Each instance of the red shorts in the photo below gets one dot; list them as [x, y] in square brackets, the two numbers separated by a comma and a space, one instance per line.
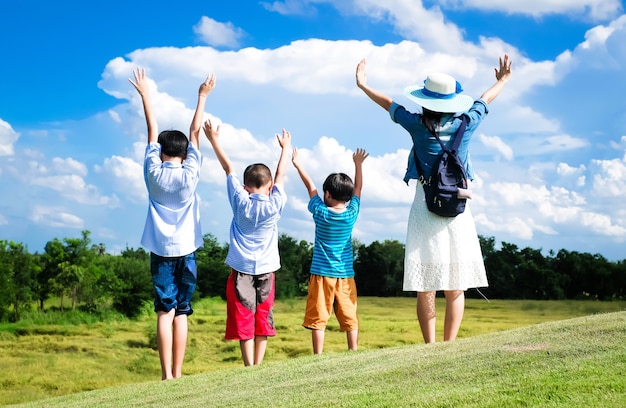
[249, 306]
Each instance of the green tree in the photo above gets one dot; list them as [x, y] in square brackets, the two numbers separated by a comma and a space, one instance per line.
[99, 284]
[535, 277]
[6, 286]
[67, 281]
[574, 266]
[132, 287]
[618, 287]
[379, 268]
[17, 276]
[212, 271]
[54, 254]
[295, 261]
[502, 270]
[74, 268]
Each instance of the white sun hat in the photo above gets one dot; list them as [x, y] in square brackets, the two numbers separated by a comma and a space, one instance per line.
[440, 93]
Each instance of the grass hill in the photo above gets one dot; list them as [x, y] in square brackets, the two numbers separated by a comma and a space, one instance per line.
[579, 362]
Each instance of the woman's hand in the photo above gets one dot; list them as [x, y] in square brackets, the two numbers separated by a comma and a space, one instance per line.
[504, 72]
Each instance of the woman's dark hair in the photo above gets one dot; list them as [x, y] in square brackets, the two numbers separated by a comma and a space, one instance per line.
[256, 175]
[173, 143]
[339, 186]
[431, 120]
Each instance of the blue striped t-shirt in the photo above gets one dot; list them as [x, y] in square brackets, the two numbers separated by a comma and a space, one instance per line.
[332, 250]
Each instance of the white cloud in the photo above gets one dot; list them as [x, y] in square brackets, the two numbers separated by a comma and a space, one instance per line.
[68, 166]
[497, 144]
[610, 179]
[619, 145]
[525, 119]
[126, 177]
[540, 144]
[56, 217]
[218, 34]
[382, 177]
[603, 47]
[414, 22]
[595, 10]
[565, 169]
[8, 137]
[562, 142]
[114, 116]
[74, 187]
[299, 204]
[602, 224]
[545, 209]
[290, 7]
[512, 226]
[36, 179]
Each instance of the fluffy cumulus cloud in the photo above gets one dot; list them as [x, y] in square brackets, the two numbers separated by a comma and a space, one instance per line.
[75, 188]
[497, 144]
[56, 217]
[68, 166]
[609, 180]
[8, 137]
[126, 177]
[218, 34]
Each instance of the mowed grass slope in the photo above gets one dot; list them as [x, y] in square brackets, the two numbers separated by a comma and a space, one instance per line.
[391, 369]
[579, 362]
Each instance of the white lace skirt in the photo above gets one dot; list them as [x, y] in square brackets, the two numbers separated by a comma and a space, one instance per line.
[441, 253]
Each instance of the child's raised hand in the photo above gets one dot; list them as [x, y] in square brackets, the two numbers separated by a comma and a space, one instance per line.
[294, 157]
[285, 140]
[361, 78]
[141, 81]
[212, 132]
[359, 156]
[207, 85]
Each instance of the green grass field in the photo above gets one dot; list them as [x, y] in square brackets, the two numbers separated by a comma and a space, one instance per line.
[42, 360]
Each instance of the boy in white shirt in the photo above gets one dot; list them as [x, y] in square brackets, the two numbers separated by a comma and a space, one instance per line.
[253, 256]
[172, 231]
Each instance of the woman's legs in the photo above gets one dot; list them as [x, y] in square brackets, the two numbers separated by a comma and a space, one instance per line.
[455, 306]
[426, 315]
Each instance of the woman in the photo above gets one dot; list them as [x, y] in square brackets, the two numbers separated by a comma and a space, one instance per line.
[442, 253]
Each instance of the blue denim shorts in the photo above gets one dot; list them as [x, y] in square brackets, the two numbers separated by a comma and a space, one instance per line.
[174, 280]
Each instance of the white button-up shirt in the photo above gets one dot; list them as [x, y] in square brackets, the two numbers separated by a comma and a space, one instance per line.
[172, 226]
[254, 229]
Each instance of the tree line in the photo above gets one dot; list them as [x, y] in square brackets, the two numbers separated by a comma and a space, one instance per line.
[82, 275]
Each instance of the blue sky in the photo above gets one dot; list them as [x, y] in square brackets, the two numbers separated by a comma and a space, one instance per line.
[550, 159]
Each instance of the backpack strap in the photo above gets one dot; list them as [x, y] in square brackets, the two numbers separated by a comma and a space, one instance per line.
[457, 137]
[456, 142]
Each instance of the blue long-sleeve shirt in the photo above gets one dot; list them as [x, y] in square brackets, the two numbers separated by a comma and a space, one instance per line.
[426, 146]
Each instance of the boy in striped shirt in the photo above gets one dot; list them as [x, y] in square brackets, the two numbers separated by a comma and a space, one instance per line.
[331, 284]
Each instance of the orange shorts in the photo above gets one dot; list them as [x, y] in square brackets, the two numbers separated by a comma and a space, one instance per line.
[328, 294]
